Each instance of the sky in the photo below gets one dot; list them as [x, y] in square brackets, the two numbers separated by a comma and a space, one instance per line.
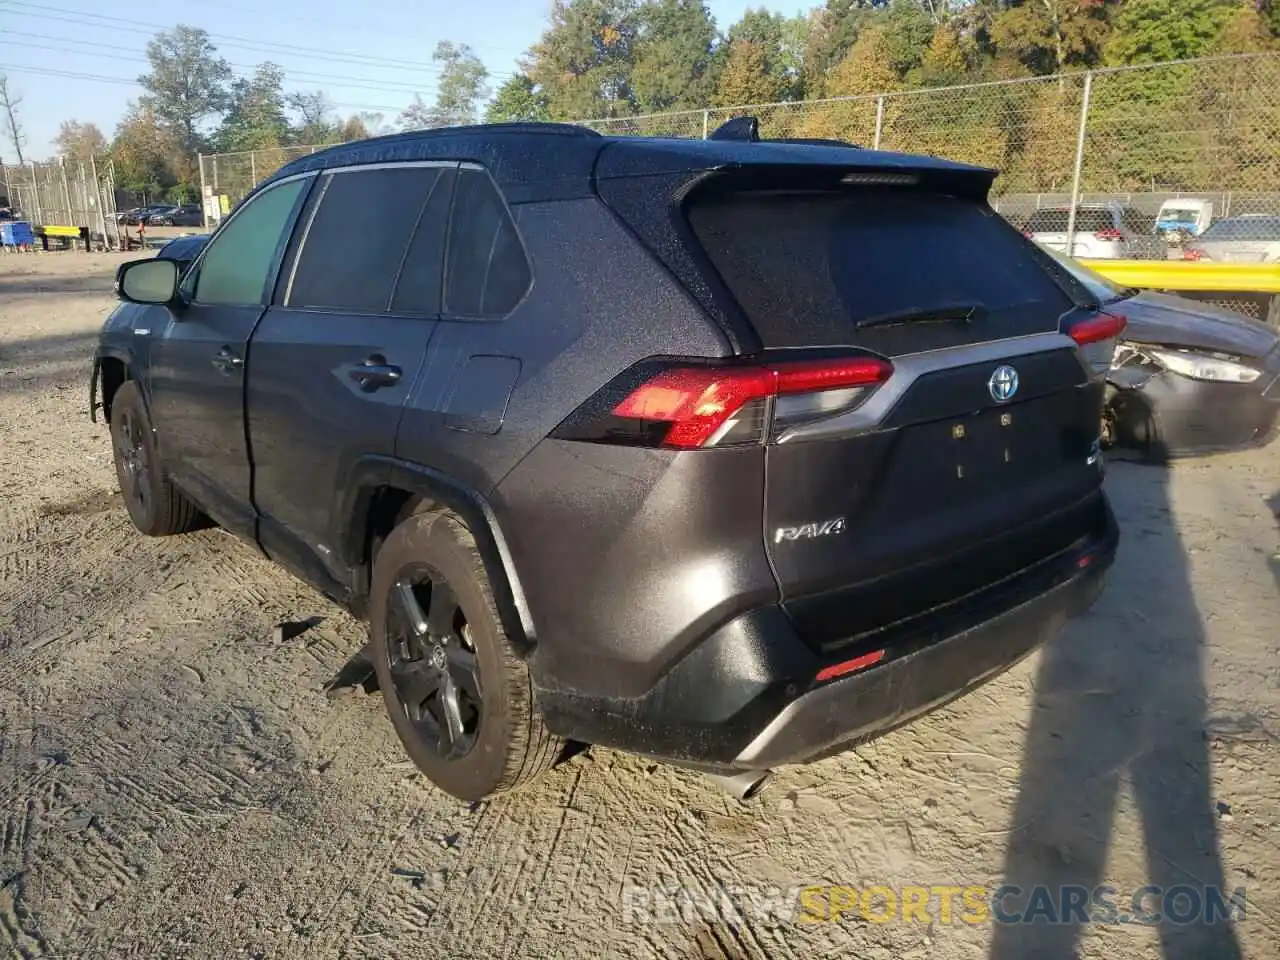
[76, 60]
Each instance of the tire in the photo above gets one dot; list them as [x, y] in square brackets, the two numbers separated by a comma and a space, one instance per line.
[498, 740]
[156, 507]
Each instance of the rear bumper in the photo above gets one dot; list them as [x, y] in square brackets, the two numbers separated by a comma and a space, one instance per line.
[747, 698]
[838, 715]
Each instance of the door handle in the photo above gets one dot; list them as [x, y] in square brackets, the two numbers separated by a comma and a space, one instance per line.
[227, 361]
[375, 372]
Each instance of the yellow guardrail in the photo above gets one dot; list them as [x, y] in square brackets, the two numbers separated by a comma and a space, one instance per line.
[1191, 275]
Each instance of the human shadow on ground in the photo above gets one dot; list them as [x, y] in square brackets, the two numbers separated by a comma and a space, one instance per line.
[1121, 700]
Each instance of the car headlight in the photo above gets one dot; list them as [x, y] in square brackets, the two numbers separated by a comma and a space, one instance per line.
[1200, 366]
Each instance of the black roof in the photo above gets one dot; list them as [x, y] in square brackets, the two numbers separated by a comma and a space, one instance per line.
[558, 161]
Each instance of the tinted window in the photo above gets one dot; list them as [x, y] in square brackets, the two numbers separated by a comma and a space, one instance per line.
[243, 256]
[418, 288]
[487, 272]
[357, 239]
[807, 267]
[1244, 228]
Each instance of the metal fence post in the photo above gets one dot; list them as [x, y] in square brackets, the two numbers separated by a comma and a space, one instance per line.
[35, 193]
[1075, 177]
[253, 168]
[875, 145]
[66, 193]
[98, 199]
[706, 123]
[204, 200]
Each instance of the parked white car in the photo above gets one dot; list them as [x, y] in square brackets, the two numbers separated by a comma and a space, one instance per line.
[1103, 231]
[1252, 238]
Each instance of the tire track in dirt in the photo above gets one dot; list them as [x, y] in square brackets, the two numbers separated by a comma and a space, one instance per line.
[18, 928]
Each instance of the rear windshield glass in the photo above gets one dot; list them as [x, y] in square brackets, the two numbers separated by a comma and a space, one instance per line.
[807, 267]
[1055, 221]
[1245, 228]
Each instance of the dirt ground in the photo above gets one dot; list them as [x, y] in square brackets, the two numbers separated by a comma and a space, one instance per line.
[176, 784]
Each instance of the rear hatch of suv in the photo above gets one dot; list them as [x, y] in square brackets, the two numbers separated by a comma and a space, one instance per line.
[930, 427]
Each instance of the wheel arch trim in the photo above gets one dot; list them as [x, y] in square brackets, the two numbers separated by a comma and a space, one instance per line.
[370, 474]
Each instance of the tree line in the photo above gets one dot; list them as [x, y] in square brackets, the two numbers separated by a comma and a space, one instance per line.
[616, 58]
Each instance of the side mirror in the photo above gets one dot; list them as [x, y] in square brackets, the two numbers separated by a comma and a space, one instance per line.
[152, 281]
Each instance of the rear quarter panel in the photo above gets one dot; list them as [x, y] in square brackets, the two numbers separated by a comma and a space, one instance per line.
[598, 304]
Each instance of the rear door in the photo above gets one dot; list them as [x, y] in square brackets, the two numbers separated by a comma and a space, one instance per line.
[972, 460]
[338, 352]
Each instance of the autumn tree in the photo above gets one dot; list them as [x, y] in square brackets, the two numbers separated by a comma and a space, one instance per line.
[746, 78]
[257, 116]
[865, 69]
[315, 116]
[782, 39]
[833, 30]
[672, 55]
[416, 116]
[79, 141]
[943, 63]
[1152, 31]
[516, 100]
[461, 88]
[1050, 36]
[188, 82]
[361, 126]
[908, 30]
[583, 61]
[1246, 30]
[147, 155]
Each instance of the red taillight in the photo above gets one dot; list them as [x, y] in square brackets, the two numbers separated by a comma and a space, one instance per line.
[1192, 253]
[699, 403]
[1109, 233]
[1102, 326]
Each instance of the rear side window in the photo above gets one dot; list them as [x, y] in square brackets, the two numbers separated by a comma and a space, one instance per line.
[418, 288]
[356, 243]
[486, 272]
[807, 267]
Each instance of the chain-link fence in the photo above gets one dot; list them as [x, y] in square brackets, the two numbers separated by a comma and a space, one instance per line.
[1137, 136]
[66, 194]
[225, 178]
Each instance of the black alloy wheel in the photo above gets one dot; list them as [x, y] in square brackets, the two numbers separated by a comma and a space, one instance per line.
[432, 661]
[135, 461]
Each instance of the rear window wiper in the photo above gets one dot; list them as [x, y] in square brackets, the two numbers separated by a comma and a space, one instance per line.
[939, 313]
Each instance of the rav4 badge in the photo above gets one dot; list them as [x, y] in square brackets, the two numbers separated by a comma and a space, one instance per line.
[810, 531]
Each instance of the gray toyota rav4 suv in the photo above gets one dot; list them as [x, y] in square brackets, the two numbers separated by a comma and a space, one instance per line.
[732, 452]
